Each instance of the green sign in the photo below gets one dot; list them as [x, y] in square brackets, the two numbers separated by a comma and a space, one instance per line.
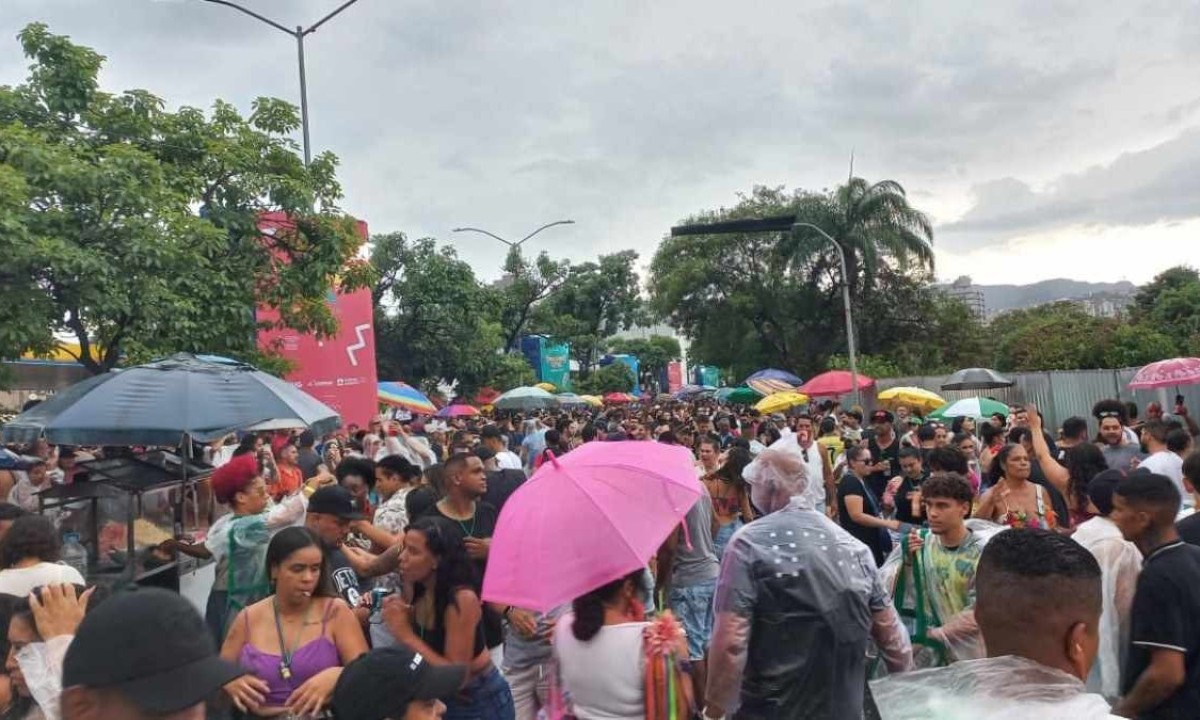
[556, 366]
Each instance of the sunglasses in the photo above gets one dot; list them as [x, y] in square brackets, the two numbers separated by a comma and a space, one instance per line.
[1109, 413]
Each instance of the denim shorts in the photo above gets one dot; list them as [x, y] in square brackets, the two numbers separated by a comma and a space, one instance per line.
[693, 605]
[487, 697]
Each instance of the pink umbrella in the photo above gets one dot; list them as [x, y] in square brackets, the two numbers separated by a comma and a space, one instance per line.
[587, 518]
[834, 382]
[1167, 373]
[457, 410]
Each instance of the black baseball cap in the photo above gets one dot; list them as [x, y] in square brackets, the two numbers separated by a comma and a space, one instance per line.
[881, 416]
[334, 500]
[491, 432]
[381, 684]
[152, 646]
[1100, 489]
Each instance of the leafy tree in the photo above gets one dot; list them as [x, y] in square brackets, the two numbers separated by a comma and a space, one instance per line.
[1148, 295]
[1057, 336]
[595, 300]
[1133, 345]
[874, 225]
[615, 377]
[753, 300]
[509, 371]
[135, 229]
[653, 353]
[730, 295]
[873, 366]
[523, 286]
[433, 320]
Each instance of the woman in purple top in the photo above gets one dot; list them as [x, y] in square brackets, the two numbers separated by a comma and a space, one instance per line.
[294, 643]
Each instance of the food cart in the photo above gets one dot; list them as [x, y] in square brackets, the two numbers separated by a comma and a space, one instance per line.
[126, 508]
[129, 502]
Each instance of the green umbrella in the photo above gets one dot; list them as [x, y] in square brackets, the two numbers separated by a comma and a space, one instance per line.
[743, 396]
[975, 407]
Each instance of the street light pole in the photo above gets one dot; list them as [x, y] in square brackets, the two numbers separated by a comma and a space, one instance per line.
[303, 96]
[299, 33]
[845, 302]
[518, 243]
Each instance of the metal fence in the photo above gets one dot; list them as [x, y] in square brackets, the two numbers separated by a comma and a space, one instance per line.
[1059, 394]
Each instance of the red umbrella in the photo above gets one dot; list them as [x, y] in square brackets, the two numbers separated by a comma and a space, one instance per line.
[1167, 373]
[486, 396]
[834, 382]
[616, 397]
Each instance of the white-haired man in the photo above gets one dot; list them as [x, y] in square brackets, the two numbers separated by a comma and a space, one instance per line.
[797, 605]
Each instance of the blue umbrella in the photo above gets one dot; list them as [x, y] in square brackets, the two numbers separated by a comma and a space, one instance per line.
[166, 401]
[773, 374]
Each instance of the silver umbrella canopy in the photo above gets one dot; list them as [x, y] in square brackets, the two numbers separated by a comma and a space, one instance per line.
[525, 398]
[976, 379]
[163, 402]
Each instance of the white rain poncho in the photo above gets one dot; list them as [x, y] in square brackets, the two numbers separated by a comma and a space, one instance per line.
[1120, 563]
[797, 605]
[941, 606]
[1003, 688]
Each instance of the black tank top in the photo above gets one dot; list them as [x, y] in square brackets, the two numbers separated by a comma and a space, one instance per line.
[435, 637]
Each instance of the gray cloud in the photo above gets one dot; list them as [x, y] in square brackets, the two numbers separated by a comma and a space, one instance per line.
[1138, 188]
[627, 115]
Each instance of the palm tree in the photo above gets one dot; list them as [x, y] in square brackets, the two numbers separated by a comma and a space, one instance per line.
[875, 226]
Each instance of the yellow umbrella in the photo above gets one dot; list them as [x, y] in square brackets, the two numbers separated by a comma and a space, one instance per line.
[548, 387]
[781, 402]
[592, 400]
[919, 399]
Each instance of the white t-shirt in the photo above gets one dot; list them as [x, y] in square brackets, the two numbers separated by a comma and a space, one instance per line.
[1165, 462]
[508, 460]
[22, 581]
[605, 676]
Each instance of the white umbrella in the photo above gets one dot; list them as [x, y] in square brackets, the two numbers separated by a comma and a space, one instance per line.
[525, 398]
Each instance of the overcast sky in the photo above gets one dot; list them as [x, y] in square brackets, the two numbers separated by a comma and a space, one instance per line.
[1045, 138]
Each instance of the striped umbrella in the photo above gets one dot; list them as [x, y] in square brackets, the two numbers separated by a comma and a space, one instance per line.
[405, 397]
[769, 386]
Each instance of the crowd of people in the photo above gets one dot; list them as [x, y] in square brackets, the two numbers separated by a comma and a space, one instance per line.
[839, 564]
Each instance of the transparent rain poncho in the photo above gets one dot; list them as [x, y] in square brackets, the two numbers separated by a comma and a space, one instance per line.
[957, 634]
[239, 545]
[1120, 563]
[1003, 688]
[797, 605]
[41, 666]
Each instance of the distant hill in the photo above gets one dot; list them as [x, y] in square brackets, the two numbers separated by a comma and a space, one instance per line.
[1000, 298]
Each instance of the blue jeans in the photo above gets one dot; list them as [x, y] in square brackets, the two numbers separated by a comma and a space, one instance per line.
[724, 533]
[693, 605]
[487, 697]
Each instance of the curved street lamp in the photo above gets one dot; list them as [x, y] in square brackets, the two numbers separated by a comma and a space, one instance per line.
[299, 33]
[518, 243]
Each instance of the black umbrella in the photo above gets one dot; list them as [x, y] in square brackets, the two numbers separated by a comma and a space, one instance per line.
[976, 379]
[166, 401]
